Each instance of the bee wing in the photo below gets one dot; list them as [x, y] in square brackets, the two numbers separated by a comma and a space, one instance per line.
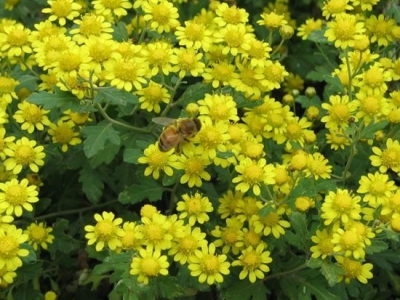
[163, 121]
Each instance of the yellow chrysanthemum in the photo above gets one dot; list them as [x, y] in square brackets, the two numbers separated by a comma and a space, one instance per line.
[341, 205]
[62, 10]
[31, 116]
[39, 235]
[194, 208]
[11, 239]
[63, 133]
[149, 263]
[388, 158]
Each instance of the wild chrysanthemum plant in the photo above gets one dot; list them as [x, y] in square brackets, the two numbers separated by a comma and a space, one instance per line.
[281, 182]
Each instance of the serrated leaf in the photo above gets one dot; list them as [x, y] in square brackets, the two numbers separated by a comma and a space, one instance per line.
[104, 156]
[317, 36]
[317, 74]
[92, 185]
[298, 222]
[331, 272]
[376, 247]
[148, 189]
[195, 92]
[114, 96]
[131, 156]
[369, 131]
[97, 137]
[293, 239]
[170, 288]
[306, 102]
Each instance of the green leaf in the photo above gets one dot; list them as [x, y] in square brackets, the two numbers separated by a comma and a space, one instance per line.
[369, 131]
[331, 272]
[194, 92]
[376, 247]
[266, 210]
[147, 189]
[114, 96]
[334, 85]
[120, 34]
[298, 222]
[317, 36]
[316, 285]
[131, 156]
[315, 263]
[104, 156]
[318, 73]
[170, 288]
[97, 137]
[92, 185]
[306, 102]
[244, 289]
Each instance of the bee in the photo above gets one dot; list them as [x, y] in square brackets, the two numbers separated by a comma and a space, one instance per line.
[176, 131]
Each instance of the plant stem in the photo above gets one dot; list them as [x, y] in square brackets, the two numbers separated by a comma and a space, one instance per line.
[324, 55]
[301, 267]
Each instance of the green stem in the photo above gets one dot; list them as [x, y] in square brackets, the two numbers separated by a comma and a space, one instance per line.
[346, 55]
[74, 211]
[278, 47]
[301, 267]
[326, 57]
[111, 120]
[353, 150]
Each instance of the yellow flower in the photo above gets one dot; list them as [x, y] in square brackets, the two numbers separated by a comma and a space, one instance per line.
[61, 10]
[156, 232]
[133, 237]
[6, 276]
[371, 106]
[218, 107]
[158, 55]
[373, 80]
[15, 41]
[257, 52]
[339, 111]
[364, 4]
[7, 90]
[303, 204]
[335, 7]
[187, 61]
[226, 14]
[341, 205]
[344, 30]
[254, 263]
[194, 208]
[377, 188]
[106, 233]
[24, 153]
[228, 203]
[324, 245]
[91, 25]
[194, 35]
[234, 38]
[247, 207]
[194, 164]
[388, 158]
[272, 20]
[39, 235]
[271, 223]
[152, 96]
[149, 264]
[317, 166]
[219, 73]
[212, 137]
[63, 133]
[230, 238]
[31, 116]
[111, 7]
[380, 29]
[161, 15]
[11, 239]
[253, 174]
[208, 265]
[309, 26]
[349, 242]
[354, 270]
[185, 246]
[337, 139]
[273, 74]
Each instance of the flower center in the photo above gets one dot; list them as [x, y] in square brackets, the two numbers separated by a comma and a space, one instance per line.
[194, 206]
[194, 166]
[210, 264]
[161, 14]
[294, 131]
[69, 62]
[230, 236]
[350, 240]
[343, 202]
[9, 247]
[38, 233]
[370, 105]
[271, 219]
[390, 158]
[188, 245]
[7, 85]
[251, 260]
[24, 154]
[16, 195]
[64, 134]
[340, 113]
[61, 8]
[32, 114]
[150, 266]
[378, 188]
[154, 232]
[253, 174]
[157, 159]
[373, 77]
[104, 229]
[90, 26]
[17, 37]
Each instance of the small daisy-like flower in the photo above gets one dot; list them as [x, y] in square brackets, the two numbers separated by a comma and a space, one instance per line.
[271, 223]
[339, 110]
[219, 73]
[208, 265]
[272, 20]
[388, 158]
[15, 40]
[11, 239]
[212, 138]
[334, 7]
[349, 242]
[257, 52]
[344, 30]
[39, 235]
[323, 244]
[341, 205]
[6, 276]
[251, 238]
[253, 174]
[371, 106]
[7, 89]
[354, 270]
[226, 14]
[61, 10]
[230, 238]
[318, 167]
[106, 233]
[17, 196]
[337, 139]
[374, 79]
[295, 131]
[24, 153]
[228, 203]
[194, 208]
[149, 264]
[247, 207]
[303, 204]
[31, 116]
[185, 246]
[132, 238]
[309, 27]
[126, 73]
[194, 164]
[72, 61]
[248, 80]
[156, 232]
[364, 4]
[273, 75]
[158, 55]
[151, 96]
[187, 61]
[91, 25]
[233, 37]
[63, 133]
[254, 262]
[376, 187]
[100, 52]
[194, 35]
[219, 107]
[380, 29]
[161, 15]
[111, 7]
